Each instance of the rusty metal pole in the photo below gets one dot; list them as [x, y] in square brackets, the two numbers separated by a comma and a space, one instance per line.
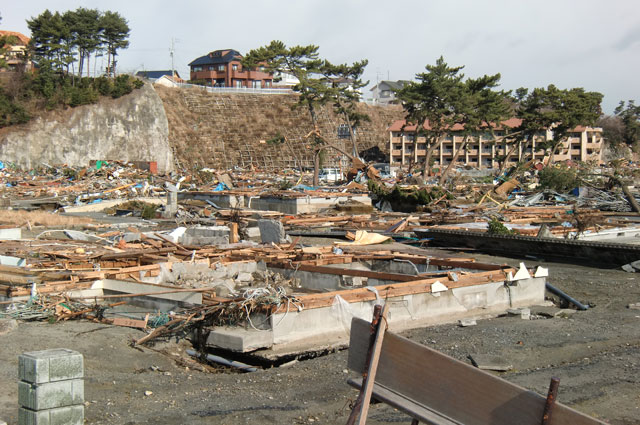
[377, 312]
[551, 401]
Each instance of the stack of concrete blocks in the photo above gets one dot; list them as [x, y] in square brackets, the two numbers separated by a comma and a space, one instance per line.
[51, 388]
[205, 235]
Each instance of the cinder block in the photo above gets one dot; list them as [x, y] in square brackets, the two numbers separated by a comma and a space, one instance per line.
[51, 394]
[58, 364]
[70, 415]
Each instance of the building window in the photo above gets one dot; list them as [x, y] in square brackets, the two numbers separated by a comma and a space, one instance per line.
[256, 84]
[267, 83]
[212, 68]
[234, 66]
[220, 67]
[261, 68]
[238, 84]
[343, 131]
[385, 93]
[196, 69]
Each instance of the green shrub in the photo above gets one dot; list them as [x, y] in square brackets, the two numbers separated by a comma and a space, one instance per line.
[559, 178]
[10, 112]
[497, 228]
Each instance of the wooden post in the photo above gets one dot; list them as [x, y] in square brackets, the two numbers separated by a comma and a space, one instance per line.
[233, 233]
[369, 375]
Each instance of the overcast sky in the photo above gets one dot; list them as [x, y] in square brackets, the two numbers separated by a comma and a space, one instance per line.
[569, 43]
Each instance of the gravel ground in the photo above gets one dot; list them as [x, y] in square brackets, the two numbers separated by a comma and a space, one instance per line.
[595, 353]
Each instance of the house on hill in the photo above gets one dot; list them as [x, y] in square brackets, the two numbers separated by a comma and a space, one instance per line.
[16, 54]
[384, 92]
[223, 68]
[156, 75]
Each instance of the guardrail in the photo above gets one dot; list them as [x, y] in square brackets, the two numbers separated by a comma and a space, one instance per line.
[247, 90]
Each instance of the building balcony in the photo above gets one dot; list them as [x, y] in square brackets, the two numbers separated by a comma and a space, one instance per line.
[396, 152]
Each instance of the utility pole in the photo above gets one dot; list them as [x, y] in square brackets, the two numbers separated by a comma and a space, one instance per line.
[171, 53]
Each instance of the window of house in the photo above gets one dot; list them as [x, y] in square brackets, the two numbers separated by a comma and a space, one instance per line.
[212, 68]
[267, 83]
[385, 93]
[343, 131]
[256, 84]
[234, 67]
[220, 67]
[238, 84]
[261, 68]
[196, 69]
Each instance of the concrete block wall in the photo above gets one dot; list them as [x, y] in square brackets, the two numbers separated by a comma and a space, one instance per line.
[223, 130]
[51, 387]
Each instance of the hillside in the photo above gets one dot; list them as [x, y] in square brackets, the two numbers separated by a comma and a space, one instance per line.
[224, 130]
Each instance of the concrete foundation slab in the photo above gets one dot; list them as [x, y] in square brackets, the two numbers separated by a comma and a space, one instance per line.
[309, 329]
[490, 362]
[239, 339]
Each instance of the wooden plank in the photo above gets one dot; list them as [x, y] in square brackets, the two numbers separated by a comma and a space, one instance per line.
[456, 390]
[130, 323]
[137, 252]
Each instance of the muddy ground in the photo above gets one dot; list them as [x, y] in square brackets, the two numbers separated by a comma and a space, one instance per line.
[595, 353]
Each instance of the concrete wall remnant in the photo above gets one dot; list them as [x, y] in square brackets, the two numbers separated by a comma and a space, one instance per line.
[271, 231]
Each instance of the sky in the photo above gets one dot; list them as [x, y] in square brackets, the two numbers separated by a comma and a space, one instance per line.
[569, 43]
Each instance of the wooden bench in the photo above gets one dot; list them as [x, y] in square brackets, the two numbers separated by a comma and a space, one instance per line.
[436, 389]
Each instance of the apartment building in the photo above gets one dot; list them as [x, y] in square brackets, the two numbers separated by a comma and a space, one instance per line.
[482, 151]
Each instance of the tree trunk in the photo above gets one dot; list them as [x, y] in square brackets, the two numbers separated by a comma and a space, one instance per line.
[553, 153]
[352, 134]
[443, 175]
[316, 167]
[506, 160]
[427, 158]
[108, 62]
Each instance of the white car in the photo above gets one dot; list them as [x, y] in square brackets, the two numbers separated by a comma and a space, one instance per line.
[330, 175]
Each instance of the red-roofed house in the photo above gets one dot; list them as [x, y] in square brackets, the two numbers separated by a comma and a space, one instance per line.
[583, 143]
[15, 56]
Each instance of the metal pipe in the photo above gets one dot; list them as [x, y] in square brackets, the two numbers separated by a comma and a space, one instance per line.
[226, 362]
[551, 401]
[565, 297]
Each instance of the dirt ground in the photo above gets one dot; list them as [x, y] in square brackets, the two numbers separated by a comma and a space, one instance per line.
[595, 353]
